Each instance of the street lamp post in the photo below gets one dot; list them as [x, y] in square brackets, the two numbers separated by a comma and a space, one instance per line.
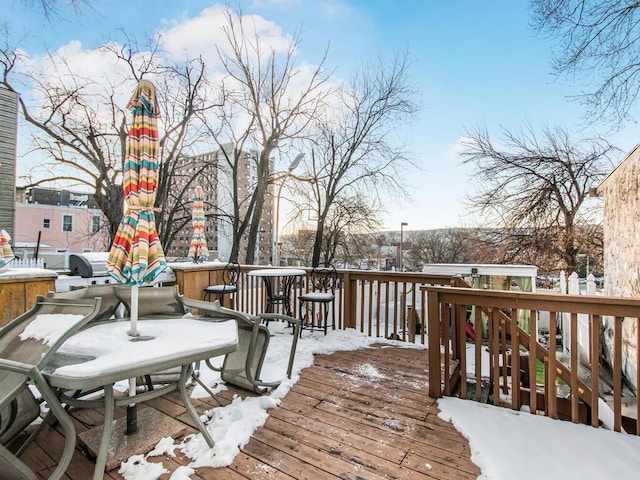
[276, 216]
[400, 262]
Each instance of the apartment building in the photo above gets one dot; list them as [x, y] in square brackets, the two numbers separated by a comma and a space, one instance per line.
[216, 178]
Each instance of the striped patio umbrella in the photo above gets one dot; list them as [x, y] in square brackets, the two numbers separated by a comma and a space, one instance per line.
[136, 255]
[198, 250]
[6, 254]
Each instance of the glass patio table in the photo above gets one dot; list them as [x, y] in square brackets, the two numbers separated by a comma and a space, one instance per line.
[278, 284]
[103, 354]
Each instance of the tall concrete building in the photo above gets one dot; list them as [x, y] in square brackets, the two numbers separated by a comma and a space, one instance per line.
[8, 149]
[216, 179]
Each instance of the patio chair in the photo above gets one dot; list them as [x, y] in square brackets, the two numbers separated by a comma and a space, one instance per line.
[153, 302]
[243, 367]
[22, 361]
[229, 283]
[109, 306]
[323, 283]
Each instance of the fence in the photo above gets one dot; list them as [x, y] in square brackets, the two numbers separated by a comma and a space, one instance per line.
[518, 367]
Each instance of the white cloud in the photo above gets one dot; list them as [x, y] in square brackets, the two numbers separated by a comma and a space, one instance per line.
[203, 34]
[458, 146]
[94, 72]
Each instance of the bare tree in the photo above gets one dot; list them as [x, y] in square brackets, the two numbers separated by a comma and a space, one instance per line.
[534, 187]
[438, 246]
[263, 86]
[80, 125]
[233, 142]
[599, 39]
[346, 221]
[353, 155]
[52, 8]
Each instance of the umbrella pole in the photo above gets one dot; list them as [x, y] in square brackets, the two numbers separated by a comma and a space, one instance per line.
[132, 414]
[132, 410]
[134, 311]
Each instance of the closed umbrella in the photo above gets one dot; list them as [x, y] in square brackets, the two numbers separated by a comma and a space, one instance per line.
[198, 250]
[136, 255]
[6, 254]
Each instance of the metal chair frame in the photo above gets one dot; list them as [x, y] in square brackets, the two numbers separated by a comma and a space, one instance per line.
[22, 363]
[323, 282]
[229, 284]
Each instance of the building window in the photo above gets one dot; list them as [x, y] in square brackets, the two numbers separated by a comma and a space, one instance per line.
[46, 223]
[95, 224]
[67, 223]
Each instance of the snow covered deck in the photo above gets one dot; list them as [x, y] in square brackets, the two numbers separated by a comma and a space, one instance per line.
[356, 414]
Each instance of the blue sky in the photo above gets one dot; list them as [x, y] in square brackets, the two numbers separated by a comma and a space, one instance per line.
[472, 63]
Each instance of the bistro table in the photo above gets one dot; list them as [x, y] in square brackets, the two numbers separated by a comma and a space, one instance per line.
[103, 354]
[281, 294]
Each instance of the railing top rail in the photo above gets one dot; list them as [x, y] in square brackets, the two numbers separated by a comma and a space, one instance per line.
[383, 276]
[592, 304]
[409, 277]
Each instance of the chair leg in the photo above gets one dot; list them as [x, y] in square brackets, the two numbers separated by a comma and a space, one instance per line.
[325, 320]
[186, 372]
[65, 421]
[101, 459]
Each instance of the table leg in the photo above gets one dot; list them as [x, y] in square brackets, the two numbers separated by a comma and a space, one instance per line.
[288, 287]
[268, 294]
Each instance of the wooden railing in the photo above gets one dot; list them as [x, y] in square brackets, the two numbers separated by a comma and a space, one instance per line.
[379, 304]
[563, 381]
[559, 379]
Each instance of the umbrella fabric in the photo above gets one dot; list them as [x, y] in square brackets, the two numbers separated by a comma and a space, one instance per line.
[136, 255]
[6, 254]
[198, 250]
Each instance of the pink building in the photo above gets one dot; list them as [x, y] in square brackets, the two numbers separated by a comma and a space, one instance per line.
[68, 226]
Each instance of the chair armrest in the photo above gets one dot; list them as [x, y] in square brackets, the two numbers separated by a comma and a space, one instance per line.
[204, 307]
[278, 316]
[16, 367]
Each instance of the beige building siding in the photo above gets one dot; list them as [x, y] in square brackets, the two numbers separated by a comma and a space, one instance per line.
[621, 194]
[8, 141]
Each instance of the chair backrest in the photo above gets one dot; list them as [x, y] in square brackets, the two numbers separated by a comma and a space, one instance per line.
[31, 344]
[153, 301]
[231, 273]
[243, 366]
[16, 345]
[323, 279]
[107, 292]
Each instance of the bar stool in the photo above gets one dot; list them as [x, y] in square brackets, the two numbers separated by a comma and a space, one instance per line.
[323, 283]
[230, 276]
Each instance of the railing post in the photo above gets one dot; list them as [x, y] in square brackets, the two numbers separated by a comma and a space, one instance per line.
[435, 362]
[350, 301]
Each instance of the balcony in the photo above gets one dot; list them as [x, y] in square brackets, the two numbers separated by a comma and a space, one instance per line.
[334, 418]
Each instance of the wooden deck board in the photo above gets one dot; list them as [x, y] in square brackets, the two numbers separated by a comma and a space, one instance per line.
[353, 415]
